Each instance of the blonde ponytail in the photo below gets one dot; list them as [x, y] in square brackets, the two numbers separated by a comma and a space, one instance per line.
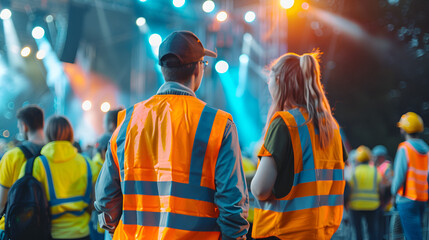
[299, 85]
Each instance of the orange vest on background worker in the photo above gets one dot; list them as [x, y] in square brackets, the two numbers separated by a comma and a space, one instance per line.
[313, 209]
[416, 185]
[167, 158]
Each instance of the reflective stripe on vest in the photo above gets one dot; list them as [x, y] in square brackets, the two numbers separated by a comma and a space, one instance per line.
[416, 185]
[317, 191]
[362, 198]
[160, 198]
[54, 201]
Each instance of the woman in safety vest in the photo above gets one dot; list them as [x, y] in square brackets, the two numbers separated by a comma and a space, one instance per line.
[67, 178]
[299, 183]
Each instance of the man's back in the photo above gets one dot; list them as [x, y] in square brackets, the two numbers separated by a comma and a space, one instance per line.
[176, 164]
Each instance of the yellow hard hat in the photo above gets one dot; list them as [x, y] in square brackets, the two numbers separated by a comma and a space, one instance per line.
[411, 123]
[363, 154]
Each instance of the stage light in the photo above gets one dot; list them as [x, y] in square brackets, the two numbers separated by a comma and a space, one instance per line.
[5, 14]
[222, 16]
[305, 6]
[38, 32]
[142, 0]
[250, 16]
[105, 107]
[208, 6]
[25, 52]
[221, 66]
[141, 21]
[244, 58]
[6, 133]
[155, 40]
[41, 54]
[86, 105]
[178, 3]
[49, 18]
[286, 4]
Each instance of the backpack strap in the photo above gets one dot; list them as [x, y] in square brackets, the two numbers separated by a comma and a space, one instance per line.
[27, 153]
[29, 166]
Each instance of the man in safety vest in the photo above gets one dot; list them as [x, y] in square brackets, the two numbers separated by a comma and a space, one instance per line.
[173, 166]
[365, 195]
[410, 183]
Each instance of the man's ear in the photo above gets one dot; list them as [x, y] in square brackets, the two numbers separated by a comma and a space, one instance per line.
[26, 129]
[196, 70]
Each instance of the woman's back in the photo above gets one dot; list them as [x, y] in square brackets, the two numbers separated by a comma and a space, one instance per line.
[67, 178]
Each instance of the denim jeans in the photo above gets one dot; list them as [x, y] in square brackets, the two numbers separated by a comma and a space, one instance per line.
[372, 220]
[411, 214]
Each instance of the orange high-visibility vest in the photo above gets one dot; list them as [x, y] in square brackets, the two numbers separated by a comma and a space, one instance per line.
[416, 184]
[166, 150]
[313, 209]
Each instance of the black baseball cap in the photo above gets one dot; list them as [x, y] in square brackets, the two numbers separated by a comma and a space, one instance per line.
[184, 45]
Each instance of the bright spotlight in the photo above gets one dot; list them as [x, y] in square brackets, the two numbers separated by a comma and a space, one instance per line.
[41, 54]
[86, 105]
[141, 21]
[244, 58]
[286, 4]
[222, 16]
[208, 6]
[5, 14]
[305, 6]
[178, 3]
[221, 66]
[105, 107]
[49, 18]
[155, 40]
[142, 0]
[25, 52]
[38, 32]
[250, 16]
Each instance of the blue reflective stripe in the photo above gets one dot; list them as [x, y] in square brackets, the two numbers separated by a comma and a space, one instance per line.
[76, 213]
[305, 139]
[176, 189]
[54, 201]
[120, 140]
[89, 182]
[306, 176]
[51, 189]
[300, 203]
[199, 147]
[170, 220]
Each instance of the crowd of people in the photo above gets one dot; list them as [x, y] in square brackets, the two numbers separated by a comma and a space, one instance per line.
[171, 167]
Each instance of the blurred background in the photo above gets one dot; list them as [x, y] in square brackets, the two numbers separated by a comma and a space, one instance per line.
[81, 58]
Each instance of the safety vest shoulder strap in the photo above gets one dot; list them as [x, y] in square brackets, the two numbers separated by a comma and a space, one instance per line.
[54, 201]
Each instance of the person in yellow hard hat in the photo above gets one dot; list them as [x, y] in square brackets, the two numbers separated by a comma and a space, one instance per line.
[365, 194]
[410, 185]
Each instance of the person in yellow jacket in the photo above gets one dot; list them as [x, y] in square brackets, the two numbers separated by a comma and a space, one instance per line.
[30, 125]
[410, 178]
[67, 178]
[299, 183]
[173, 167]
[365, 195]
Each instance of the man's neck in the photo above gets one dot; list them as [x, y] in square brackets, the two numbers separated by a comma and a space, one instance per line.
[408, 137]
[36, 137]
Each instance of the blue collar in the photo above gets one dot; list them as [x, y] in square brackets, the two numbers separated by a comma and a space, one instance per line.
[175, 88]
